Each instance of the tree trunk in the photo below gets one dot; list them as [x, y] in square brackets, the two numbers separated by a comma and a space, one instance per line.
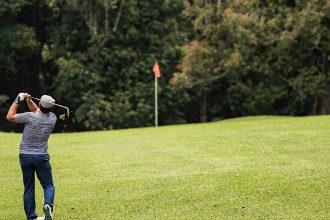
[218, 6]
[321, 103]
[118, 16]
[106, 16]
[315, 104]
[204, 101]
[325, 101]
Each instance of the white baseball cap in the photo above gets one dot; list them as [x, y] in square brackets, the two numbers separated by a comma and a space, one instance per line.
[47, 101]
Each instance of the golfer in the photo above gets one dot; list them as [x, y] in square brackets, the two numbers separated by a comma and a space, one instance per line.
[39, 124]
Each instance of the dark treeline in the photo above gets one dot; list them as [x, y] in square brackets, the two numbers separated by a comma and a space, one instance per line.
[218, 58]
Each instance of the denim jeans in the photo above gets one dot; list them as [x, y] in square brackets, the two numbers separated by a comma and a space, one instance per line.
[39, 164]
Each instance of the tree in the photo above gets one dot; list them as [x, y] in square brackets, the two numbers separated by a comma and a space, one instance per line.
[257, 57]
[119, 50]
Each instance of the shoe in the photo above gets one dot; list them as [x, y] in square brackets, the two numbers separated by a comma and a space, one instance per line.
[40, 218]
[48, 212]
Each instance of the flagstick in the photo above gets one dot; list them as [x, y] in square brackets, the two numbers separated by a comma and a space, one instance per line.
[156, 102]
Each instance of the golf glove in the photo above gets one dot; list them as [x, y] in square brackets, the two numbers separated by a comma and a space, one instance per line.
[20, 98]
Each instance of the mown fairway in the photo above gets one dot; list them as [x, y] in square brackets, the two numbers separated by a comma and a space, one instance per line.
[248, 168]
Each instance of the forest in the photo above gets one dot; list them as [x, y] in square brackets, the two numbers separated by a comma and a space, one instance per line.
[218, 59]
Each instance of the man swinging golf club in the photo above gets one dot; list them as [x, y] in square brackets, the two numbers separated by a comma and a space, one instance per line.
[39, 124]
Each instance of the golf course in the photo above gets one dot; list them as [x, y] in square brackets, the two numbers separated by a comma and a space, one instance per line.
[263, 167]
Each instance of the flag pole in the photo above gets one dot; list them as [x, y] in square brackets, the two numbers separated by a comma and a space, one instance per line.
[156, 102]
[157, 75]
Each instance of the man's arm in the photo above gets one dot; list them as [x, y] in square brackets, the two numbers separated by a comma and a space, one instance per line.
[11, 115]
[32, 106]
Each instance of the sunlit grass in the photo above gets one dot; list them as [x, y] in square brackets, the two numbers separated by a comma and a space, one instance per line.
[247, 168]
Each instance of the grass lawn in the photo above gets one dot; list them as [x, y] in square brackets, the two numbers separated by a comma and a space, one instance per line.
[246, 168]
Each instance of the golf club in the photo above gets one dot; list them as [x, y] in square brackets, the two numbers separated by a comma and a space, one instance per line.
[67, 109]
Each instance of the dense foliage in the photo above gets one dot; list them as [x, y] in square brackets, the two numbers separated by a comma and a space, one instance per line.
[218, 59]
[258, 57]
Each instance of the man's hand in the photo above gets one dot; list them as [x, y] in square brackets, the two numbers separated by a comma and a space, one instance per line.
[20, 98]
[27, 96]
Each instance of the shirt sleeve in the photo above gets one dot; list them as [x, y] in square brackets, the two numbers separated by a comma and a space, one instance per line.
[23, 117]
[54, 117]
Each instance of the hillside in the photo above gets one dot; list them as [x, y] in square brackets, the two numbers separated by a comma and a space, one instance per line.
[246, 168]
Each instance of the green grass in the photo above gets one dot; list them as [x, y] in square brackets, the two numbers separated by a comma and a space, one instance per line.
[247, 168]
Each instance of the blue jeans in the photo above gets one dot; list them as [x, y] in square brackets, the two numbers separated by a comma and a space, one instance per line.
[31, 164]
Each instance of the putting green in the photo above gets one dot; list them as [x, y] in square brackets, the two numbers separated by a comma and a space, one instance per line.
[246, 168]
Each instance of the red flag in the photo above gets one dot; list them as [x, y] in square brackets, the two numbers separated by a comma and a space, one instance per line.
[156, 70]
